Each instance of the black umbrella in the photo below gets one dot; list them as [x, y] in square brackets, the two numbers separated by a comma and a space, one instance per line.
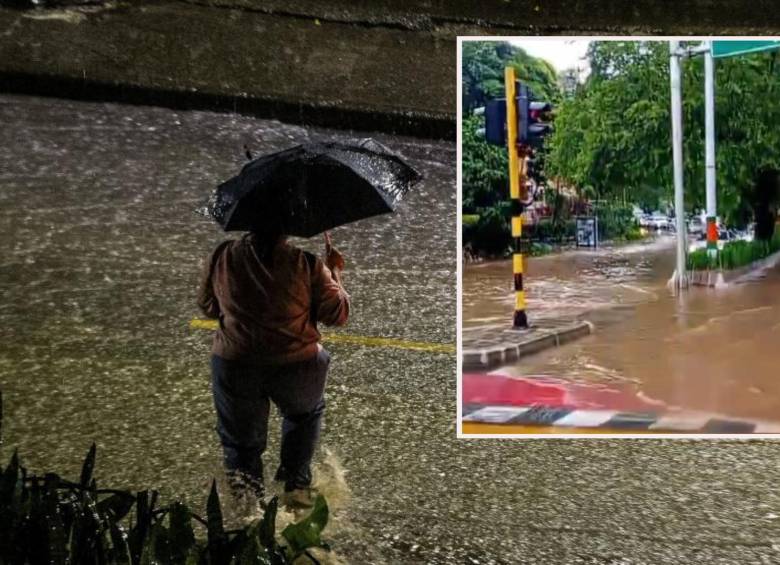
[312, 188]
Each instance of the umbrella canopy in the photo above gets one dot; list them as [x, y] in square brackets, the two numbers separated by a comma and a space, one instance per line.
[312, 188]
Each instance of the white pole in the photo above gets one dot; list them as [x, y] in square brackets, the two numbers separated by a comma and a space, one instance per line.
[680, 279]
[709, 137]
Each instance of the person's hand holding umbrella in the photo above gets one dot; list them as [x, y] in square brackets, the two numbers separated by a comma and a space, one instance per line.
[334, 260]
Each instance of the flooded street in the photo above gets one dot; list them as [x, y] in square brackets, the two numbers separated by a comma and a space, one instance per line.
[711, 350]
[102, 251]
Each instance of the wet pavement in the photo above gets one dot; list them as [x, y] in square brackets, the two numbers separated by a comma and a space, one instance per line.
[98, 279]
[712, 350]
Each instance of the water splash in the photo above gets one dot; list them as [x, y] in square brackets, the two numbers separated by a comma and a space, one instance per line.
[330, 481]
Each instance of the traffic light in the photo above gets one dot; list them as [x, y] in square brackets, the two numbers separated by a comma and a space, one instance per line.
[532, 119]
[495, 121]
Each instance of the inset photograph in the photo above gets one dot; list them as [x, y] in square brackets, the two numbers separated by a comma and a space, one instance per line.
[620, 239]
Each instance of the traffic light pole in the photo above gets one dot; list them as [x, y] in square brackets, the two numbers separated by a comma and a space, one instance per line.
[516, 176]
[709, 136]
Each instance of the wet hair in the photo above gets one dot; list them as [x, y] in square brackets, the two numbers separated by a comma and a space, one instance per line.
[264, 242]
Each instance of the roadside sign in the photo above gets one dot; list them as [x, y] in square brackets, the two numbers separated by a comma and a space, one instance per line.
[733, 48]
[587, 231]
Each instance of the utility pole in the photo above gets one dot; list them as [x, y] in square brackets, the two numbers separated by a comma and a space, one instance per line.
[680, 278]
[709, 137]
[516, 171]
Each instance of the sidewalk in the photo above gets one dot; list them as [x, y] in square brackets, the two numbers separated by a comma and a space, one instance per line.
[489, 347]
[387, 65]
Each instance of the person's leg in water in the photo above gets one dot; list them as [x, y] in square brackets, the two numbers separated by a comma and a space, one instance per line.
[242, 423]
[298, 392]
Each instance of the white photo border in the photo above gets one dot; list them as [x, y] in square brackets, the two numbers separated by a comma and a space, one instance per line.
[459, 176]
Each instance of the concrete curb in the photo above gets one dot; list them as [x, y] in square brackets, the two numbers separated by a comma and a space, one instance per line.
[725, 278]
[527, 342]
[387, 65]
[300, 70]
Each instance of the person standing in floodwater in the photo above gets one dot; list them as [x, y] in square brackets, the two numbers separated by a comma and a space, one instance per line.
[268, 297]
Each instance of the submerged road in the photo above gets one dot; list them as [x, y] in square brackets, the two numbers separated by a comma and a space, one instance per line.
[98, 278]
[712, 350]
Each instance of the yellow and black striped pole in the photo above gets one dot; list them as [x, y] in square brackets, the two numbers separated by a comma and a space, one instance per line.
[516, 174]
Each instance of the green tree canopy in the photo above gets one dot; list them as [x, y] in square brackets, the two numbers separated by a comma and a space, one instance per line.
[614, 134]
[483, 73]
[485, 169]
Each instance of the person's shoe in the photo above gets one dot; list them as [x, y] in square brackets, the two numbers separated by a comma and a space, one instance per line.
[299, 498]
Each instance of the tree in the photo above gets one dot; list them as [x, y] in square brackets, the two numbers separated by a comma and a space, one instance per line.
[485, 167]
[614, 134]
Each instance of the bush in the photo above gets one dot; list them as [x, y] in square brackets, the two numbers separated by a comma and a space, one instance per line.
[734, 254]
[634, 233]
[470, 219]
[539, 249]
[491, 233]
[616, 221]
[52, 520]
[547, 230]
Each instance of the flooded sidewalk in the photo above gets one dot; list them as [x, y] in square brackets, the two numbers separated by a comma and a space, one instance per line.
[710, 350]
[487, 347]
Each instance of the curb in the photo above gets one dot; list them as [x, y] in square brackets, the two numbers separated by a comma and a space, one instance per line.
[296, 69]
[491, 357]
[605, 420]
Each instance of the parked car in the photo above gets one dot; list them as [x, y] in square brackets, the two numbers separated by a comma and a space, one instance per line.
[659, 221]
[696, 226]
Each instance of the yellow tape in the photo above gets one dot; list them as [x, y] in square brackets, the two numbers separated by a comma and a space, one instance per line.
[481, 428]
[198, 324]
[520, 300]
[517, 263]
[517, 226]
[370, 341]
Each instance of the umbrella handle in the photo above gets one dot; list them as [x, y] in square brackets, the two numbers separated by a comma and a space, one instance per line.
[328, 243]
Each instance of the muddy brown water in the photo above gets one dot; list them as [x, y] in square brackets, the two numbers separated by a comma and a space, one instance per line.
[706, 349]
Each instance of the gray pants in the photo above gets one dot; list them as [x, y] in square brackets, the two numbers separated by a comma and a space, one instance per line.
[242, 391]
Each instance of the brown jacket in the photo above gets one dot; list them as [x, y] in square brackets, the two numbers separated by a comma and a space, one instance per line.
[268, 301]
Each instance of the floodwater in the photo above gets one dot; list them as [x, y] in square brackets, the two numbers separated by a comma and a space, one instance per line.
[101, 253]
[706, 349]
[103, 250]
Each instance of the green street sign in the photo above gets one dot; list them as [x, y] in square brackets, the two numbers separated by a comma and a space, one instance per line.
[732, 48]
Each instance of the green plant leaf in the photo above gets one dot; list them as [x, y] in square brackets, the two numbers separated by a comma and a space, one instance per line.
[116, 506]
[214, 524]
[306, 533]
[9, 480]
[143, 521]
[215, 529]
[253, 552]
[88, 467]
[266, 528]
[56, 532]
[182, 536]
[120, 551]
